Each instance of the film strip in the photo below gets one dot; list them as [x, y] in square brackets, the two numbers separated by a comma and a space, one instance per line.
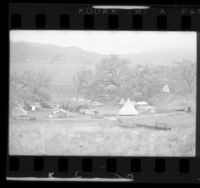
[24, 16]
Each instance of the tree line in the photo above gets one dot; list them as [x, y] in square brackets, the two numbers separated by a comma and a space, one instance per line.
[118, 78]
[113, 78]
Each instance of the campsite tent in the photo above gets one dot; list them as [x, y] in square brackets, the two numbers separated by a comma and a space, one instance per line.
[166, 88]
[122, 102]
[128, 109]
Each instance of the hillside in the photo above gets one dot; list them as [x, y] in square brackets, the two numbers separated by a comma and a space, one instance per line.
[26, 52]
[165, 58]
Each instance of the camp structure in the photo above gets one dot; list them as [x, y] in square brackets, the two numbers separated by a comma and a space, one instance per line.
[128, 109]
[89, 111]
[59, 114]
[122, 102]
[96, 103]
[35, 106]
[166, 88]
[52, 104]
[18, 112]
[142, 103]
[78, 100]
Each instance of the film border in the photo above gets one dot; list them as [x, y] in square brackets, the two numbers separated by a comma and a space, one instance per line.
[84, 17]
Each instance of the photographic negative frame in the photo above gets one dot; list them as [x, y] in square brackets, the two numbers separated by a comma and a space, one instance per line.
[137, 169]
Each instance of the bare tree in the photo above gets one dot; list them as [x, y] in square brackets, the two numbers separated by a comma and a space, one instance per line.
[186, 74]
[82, 80]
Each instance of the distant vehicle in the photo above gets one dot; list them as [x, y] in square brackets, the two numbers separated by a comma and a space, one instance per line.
[143, 107]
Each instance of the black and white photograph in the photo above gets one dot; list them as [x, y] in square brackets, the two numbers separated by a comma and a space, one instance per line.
[102, 93]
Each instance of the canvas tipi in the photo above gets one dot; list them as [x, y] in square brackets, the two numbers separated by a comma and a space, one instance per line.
[166, 88]
[122, 102]
[128, 109]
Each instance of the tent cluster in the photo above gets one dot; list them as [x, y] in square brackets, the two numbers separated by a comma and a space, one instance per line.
[128, 109]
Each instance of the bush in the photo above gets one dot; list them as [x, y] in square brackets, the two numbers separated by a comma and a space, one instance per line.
[74, 106]
[27, 106]
[45, 105]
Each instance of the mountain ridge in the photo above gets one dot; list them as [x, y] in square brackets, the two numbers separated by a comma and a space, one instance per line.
[30, 52]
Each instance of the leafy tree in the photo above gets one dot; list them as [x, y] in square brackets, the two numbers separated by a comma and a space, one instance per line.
[183, 76]
[29, 87]
[112, 74]
[148, 81]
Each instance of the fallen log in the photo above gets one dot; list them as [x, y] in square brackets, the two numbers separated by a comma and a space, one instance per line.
[157, 126]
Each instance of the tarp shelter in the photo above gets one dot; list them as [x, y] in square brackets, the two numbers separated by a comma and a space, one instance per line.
[90, 111]
[122, 102]
[166, 88]
[79, 99]
[59, 114]
[128, 109]
[18, 111]
[142, 103]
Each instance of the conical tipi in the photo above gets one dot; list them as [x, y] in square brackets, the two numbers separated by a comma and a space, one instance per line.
[166, 89]
[128, 109]
[122, 102]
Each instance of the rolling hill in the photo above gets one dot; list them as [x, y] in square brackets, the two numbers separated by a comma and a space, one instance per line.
[27, 52]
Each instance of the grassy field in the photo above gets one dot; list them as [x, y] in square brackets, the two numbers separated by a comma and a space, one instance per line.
[89, 136]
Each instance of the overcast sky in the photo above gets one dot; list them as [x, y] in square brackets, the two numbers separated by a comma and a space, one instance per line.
[109, 42]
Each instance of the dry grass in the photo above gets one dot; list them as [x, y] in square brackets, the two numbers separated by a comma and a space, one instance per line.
[87, 136]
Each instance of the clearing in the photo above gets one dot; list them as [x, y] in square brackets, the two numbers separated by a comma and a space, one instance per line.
[86, 135]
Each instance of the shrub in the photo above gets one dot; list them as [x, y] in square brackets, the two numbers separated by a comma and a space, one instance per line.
[74, 106]
[45, 105]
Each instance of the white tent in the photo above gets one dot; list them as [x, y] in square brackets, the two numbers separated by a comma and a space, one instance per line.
[128, 109]
[142, 103]
[122, 102]
[166, 88]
